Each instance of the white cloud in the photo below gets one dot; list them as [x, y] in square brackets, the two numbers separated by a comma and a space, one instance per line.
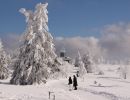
[114, 43]
[116, 40]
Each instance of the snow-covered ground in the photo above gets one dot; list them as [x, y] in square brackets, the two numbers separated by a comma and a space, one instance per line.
[108, 87]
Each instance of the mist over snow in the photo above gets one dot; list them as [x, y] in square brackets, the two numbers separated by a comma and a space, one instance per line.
[83, 44]
[11, 42]
[113, 43]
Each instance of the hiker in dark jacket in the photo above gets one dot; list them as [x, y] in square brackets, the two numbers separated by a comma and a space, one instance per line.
[70, 83]
[75, 84]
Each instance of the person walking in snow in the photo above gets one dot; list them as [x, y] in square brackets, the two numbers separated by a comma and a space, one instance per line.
[75, 84]
[70, 83]
[77, 73]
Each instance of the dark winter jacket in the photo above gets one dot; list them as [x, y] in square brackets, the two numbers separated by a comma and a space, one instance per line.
[70, 81]
[75, 81]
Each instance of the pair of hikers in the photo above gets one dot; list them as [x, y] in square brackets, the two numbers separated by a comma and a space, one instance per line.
[75, 84]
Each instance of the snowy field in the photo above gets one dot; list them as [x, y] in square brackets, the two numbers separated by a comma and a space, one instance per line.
[107, 87]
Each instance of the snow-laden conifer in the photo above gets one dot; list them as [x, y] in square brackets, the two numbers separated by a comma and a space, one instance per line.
[87, 63]
[37, 58]
[79, 63]
[3, 63]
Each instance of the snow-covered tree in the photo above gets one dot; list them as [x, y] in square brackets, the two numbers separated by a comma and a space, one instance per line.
[87, 63]
[79, 63]
[124, 71]
[3, 63]
[37, 58]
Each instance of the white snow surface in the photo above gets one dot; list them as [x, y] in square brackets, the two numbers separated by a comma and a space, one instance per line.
[107, 87]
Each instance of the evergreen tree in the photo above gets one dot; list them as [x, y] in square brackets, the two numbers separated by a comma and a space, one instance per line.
[87, 63]
[79, 63]
[3, 63]
[37, 58]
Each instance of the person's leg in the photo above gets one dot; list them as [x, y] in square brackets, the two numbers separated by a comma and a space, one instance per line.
[75, 87]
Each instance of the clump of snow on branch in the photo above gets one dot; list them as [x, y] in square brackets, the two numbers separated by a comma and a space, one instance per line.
[37, 58]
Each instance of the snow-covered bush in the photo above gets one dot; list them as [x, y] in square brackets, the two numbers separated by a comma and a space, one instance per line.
[123, 71]
[100, 73]
[87, 63]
